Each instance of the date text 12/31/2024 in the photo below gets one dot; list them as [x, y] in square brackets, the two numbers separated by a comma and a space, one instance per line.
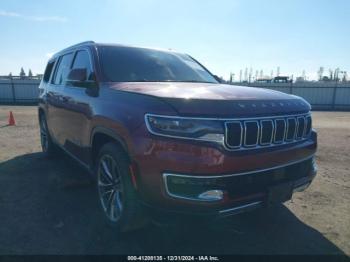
[173, 258]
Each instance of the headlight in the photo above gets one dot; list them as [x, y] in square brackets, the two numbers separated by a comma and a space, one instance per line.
[185, 127]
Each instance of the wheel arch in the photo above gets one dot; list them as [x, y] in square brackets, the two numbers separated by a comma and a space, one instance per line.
[41, 112]
[101, 136]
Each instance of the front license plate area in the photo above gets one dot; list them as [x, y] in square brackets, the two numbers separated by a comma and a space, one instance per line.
[280, 193]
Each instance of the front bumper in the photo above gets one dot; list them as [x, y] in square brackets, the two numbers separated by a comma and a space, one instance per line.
[155, 156]
[245, 191]
[248, 193]
[173, 215]
[238, 185]
[299, 186]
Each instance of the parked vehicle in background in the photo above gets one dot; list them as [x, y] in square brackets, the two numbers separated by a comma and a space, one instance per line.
[160, 133]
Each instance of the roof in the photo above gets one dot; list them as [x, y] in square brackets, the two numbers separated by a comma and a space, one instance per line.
[92, 43]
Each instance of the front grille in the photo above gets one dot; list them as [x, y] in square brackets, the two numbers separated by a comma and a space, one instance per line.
[267, 131]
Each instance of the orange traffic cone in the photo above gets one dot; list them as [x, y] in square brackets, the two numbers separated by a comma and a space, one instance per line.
[12, 121]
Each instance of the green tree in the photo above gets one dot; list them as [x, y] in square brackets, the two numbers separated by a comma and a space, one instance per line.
[22, 74]
[30, 74]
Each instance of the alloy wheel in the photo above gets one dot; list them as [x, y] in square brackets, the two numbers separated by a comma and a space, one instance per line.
[110, 188]
[43, 135]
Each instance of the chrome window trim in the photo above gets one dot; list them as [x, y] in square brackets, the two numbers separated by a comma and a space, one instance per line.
[226, 134]
[261, 130]
[165, 175]
[223, 142]
[284, 133]
[245, 133]
[295, 129]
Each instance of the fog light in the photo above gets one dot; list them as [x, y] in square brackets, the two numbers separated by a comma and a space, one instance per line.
[301, 188]
[314, 165]
[211, 195]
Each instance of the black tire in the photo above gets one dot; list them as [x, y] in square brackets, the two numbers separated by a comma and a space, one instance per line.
[131, 215]
[47, 145]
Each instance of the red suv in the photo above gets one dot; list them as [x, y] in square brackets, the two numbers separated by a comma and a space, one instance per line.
[159, 132]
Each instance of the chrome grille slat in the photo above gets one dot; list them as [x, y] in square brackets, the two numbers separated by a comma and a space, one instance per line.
[262, 131]
[307, 124]
[301, 127]
[282, 132]
[256, 137]
[288, 138]
[280, 127]
[238, 145]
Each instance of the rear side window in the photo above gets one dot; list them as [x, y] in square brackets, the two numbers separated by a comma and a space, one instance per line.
[48, 71]
[82, 60]
[63, 69]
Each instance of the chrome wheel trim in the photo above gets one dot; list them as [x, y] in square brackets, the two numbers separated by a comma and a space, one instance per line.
[43, 135]
[110, 188]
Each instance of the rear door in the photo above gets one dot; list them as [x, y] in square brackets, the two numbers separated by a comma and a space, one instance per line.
[55, 97]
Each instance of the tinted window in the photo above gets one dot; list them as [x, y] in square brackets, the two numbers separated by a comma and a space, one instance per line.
[63, 69]
[48, 71]
[129, 64]
[82, 60]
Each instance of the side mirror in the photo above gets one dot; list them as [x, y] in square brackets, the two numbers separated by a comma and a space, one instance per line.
[78, 77]
[217, 78]
[77, 74]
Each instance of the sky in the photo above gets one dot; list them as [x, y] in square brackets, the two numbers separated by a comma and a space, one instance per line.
[225, 36]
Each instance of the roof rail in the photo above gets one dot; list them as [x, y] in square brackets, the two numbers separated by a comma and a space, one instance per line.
[79, 44]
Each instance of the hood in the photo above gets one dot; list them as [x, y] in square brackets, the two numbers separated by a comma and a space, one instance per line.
[218, 99]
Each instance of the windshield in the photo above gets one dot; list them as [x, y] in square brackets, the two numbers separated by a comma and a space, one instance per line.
[131, 64]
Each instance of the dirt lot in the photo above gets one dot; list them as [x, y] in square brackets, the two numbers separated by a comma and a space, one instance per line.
[49, 207]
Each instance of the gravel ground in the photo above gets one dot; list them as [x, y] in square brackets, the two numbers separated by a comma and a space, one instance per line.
[50, 207]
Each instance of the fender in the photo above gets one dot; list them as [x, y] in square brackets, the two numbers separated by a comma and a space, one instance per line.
[112, 134]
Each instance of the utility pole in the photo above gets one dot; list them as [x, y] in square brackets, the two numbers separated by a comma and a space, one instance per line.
[320, 73]
[232, 77]
[330, 74]
[250, 75]
[336, 74]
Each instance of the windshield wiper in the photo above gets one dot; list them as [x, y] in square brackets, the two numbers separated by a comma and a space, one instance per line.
[140, 80]
[170, 80]
[188, 81]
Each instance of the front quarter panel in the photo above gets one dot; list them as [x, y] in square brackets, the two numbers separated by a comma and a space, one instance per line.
[122, 113]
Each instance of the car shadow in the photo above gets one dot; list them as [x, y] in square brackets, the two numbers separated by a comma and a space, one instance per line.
[49, 206]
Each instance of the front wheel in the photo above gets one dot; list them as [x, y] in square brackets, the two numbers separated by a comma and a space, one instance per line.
[117, 195]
